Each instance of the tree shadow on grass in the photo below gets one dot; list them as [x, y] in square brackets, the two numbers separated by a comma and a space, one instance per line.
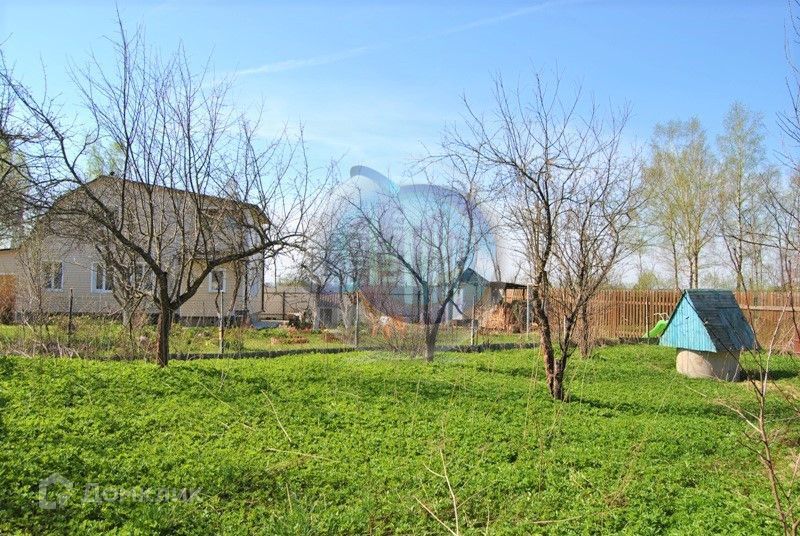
[6, 370]
[780, 373]
[622, 408]
[525, 372]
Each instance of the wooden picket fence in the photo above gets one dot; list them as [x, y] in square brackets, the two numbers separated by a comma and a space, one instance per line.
[8, 285]
[619, 314]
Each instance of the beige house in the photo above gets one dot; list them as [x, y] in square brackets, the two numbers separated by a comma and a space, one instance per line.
[52, 273]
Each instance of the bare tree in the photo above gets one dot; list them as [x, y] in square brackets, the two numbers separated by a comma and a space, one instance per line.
[318, 269]
[594, 238]
[427, 235]
[351, 272]
[131, 281]
[548, 153]
[768, 424]
[769, 429]
[783, 236]
[324, 258]
[199, 189]
[13, 171]
[336, 258]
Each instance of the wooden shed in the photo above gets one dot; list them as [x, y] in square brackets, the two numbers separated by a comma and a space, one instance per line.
[710, 331]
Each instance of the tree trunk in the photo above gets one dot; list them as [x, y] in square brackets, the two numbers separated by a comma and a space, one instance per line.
[548, 355]
[127, 320]
[675, 276]
[344, 307]
[431, 334]
[316, 317]
[585, 342]
[430, 347]
[556, 381]
[163, 328]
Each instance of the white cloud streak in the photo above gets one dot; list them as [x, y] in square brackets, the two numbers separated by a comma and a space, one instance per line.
[300, 63]
[327, 59]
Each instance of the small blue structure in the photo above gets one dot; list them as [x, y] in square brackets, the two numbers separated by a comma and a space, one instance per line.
[710, 331]
[708, 321]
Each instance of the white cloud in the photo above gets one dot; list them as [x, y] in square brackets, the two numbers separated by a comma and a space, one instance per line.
[327, 59]
[299, 63]
[488, 21]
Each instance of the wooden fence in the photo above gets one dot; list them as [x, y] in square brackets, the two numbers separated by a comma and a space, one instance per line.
[631, 313]
[7, 296]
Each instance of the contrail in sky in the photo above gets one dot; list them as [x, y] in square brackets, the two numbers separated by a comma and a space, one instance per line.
[336, 57]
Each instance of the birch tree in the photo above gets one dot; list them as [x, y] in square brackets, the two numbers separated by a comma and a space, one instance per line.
[744, 182]
[682, 213]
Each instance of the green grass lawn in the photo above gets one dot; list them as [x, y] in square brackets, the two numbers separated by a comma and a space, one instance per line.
[100, 338]
[355, 444]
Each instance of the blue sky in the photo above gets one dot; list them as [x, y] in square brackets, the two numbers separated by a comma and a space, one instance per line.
[372, 82]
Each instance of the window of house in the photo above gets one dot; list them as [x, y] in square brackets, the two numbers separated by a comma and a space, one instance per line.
[103, 280]
[53, 275]
[143, 278]
[216, 281]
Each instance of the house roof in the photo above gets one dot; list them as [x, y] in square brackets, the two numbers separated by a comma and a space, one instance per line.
[110, 178]
[708, 320]
[172, 189]
[505, 285]
[471, 277]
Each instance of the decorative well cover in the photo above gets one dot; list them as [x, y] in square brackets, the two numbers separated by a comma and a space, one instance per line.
[708, 321]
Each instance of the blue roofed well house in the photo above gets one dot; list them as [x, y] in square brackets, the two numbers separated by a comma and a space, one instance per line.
[710, 331]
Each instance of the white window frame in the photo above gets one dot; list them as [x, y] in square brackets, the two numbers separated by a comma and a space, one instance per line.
[107, 281]
[49, 283]
[211, 286]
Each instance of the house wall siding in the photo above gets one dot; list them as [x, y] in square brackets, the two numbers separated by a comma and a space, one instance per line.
[78, 265]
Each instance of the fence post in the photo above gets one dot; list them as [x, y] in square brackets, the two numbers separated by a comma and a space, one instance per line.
[221, 321]
[283, 306]
[527, 313]
[472, 321]
[69, 321]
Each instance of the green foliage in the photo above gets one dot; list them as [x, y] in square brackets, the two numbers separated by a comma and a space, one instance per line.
[343, 444]
[647, 280]
[682, 204]
[745, 182]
